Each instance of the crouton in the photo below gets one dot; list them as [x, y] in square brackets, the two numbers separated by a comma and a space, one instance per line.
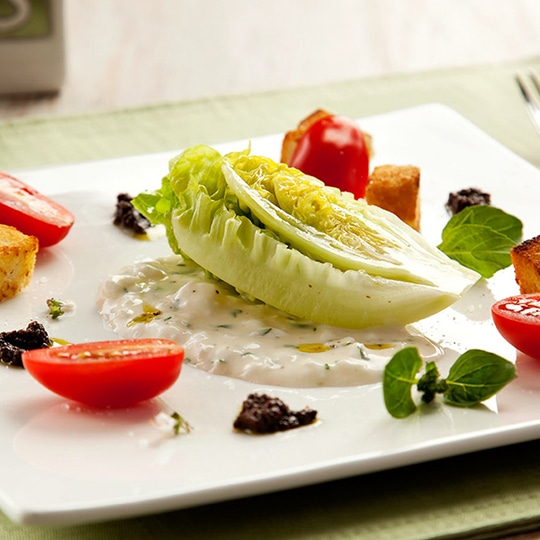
[17, 260]
[396, 188]
[526, 261]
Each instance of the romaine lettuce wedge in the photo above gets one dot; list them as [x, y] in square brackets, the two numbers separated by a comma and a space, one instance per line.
[283, 238]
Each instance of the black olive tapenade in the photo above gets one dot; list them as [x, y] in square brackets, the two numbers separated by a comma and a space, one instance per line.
[265, 414]
[128, 217]
[459, 200]
[15, 342]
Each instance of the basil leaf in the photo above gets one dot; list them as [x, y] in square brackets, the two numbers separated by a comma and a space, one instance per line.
[479, 248]
[491, 217]
[476, 376]
[398, 378]
[481, 237]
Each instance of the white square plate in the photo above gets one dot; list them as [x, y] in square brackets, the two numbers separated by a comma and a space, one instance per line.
[62, 463]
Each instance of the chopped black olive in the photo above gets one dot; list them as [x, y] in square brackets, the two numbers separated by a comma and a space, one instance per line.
[265, 414]
[466, 197]
[128, 217]
[15, 342]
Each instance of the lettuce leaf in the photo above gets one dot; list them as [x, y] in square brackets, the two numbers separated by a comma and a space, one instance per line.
[313, 253]
[330, 226]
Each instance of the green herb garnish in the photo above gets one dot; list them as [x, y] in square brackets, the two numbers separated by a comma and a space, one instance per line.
[474, 377]
[56, 308]
[172, 423]
[180, 424]
[481, 237]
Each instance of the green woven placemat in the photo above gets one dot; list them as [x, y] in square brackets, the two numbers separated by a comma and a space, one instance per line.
[481, 495]
[477, 496]
[488, 96]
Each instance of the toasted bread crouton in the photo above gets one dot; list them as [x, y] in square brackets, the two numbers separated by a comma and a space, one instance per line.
[17, 260]
[526, 261]
[396, 188]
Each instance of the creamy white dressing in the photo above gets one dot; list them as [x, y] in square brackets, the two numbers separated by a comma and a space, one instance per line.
[226, 334]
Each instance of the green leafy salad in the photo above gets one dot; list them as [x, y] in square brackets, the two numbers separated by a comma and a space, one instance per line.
[286, 239]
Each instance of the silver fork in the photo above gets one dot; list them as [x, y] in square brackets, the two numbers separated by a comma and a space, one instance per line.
[529, 84]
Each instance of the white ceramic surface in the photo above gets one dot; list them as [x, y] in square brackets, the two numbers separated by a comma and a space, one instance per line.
[63, 464]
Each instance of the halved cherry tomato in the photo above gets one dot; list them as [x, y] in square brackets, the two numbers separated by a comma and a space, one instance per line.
[24, 208]
[518, 320]
[334, 149]
[107, 373]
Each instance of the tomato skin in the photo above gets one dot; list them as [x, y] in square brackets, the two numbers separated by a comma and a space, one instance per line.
[107, 374]
[517, 318]
[32, 213]
[334, 150]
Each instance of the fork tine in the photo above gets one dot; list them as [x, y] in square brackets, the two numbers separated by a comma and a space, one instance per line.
[531, 102]
[536, 80]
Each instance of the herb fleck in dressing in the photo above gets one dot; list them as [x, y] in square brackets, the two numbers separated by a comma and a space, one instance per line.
[224, 333]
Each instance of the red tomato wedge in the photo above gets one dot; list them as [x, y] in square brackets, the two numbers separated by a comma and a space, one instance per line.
[32, 213]
[334, 149]
[517, 318]
[101, 374]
